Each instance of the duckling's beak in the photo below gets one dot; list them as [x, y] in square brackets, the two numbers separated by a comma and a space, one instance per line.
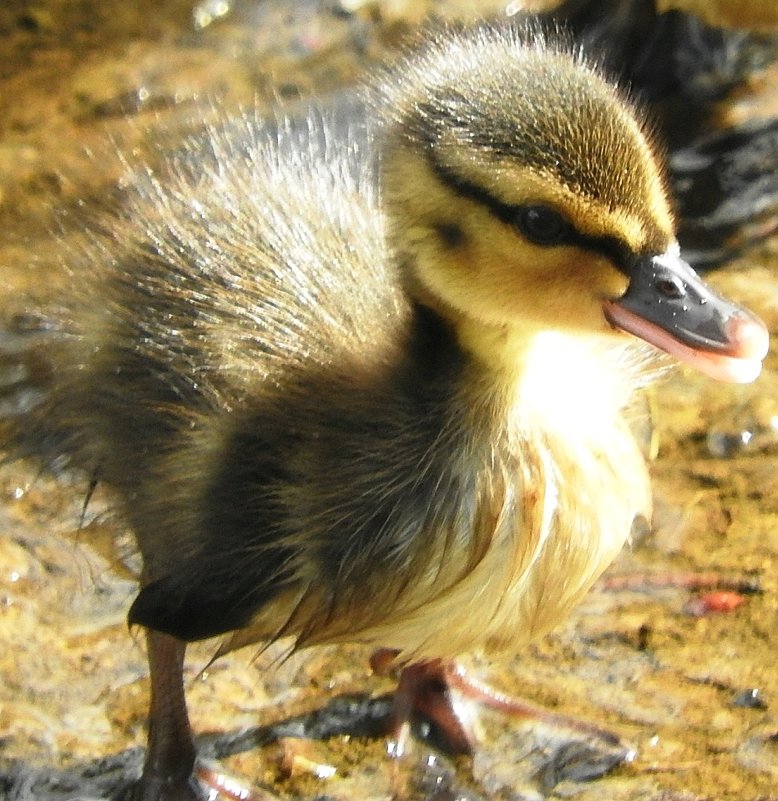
[668, 305]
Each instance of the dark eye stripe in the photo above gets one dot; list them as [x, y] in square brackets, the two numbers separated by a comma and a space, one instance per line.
[609, 246]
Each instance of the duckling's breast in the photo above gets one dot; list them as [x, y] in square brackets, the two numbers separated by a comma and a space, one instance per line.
[448, 519]
[547, 513]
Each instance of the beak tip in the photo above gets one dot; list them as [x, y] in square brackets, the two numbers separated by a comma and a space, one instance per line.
[749, 336]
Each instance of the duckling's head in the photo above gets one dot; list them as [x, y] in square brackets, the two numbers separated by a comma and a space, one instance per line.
[524, 193]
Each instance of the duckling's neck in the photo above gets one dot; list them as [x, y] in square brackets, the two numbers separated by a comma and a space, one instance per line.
[554, 380]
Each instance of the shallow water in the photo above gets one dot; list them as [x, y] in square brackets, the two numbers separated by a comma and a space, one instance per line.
[696, 694]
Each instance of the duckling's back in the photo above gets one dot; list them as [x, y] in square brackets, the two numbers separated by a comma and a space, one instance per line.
[253, 255]
[256, 246]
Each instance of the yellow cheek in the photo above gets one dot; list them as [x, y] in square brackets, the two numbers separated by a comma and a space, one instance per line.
[553, 287]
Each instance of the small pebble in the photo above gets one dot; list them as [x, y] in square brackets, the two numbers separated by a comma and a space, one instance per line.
[750, 699]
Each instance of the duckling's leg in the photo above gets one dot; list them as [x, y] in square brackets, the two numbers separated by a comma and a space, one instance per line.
[170, 756]
[423, 691]
[426, 690]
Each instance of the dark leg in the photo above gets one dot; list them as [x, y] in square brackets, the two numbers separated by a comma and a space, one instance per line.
[170, 756]
[424, 692]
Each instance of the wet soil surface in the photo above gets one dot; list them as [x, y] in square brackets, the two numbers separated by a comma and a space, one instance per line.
[687, 677]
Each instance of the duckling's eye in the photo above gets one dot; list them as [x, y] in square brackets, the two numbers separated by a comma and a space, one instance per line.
[671, 288]
[542, 224]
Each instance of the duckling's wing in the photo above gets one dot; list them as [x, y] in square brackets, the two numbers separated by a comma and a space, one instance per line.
[254, 248]
[251, 258]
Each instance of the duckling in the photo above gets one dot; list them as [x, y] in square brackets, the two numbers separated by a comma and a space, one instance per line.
[371, 384]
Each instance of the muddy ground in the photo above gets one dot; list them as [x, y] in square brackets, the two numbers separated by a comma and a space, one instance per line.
[694, 690]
